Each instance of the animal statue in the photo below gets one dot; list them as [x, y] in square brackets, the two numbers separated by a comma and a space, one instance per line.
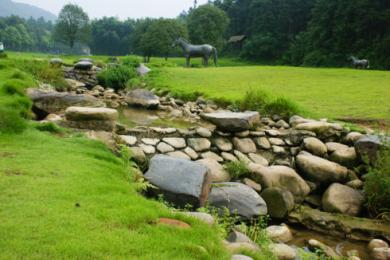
[360, 64]
[204, 51]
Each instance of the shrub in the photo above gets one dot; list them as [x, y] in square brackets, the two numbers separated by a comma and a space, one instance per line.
[377, 186]
[131, 62]
[116, 77]
[14, 87]
[282, 107]
[11, 121]
[260, 100]
[237, 169]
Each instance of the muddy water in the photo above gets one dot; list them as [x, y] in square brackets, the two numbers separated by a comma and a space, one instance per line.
[340, 245]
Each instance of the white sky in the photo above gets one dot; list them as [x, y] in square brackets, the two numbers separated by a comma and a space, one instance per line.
[120, 8]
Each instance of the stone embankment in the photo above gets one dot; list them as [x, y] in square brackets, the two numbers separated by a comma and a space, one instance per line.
[303, 171]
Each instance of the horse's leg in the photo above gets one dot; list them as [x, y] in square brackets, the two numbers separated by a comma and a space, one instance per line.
[206, 61]
[187, 61]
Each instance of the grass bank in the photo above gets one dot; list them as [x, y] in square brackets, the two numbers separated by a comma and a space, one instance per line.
[332, 93]
[67, 197]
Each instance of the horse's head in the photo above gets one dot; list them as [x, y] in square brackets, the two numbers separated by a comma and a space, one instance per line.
[179, 41]
[175, 43]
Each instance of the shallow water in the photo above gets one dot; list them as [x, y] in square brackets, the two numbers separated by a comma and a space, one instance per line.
[340, 245]
[132, 117]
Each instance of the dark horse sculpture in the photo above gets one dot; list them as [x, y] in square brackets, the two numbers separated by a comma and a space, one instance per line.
[360, 64]
[204, 51]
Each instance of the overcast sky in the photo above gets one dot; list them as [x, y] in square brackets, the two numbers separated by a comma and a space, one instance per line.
[120, 8]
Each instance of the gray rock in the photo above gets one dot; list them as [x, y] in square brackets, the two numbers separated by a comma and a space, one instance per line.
[178, 143]
[128, 139]
[238, 198]
[346, 157]
[339, 198]
[353, 137]
[57, 62]
[368, 148]
[279, 202]
[216, 170]
[315, 146]
[242, 157]
[73, 84]
[228, 157]
[179, 154]
[321, 170]
[83, 65]
[164, 131]
[278, 150]
[91, 118]
[241, 257]
[199, 144]
[327, 250]
[254, 185]
[263, 143]
[245, 145]
[333, 146]
[283, 251]
[380, 254]
[377, 243]
[53, 102]
[258, 159]
[321, 128]
[273, 133]
[281, 233]
[150, 141]
[138, 154]
[243, 134]
[148, 149]
[181, 181]
[232, 121]
[282, 124]
[165, 148]
[212, 155]
[191, 153]
[280, 177]
[143, 98]
[223, 144]
[204, 217]
[238, 237]
[203, 132]
[276, 141]
[143, 70]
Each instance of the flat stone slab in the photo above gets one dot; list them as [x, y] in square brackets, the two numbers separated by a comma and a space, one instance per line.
[91, 114]
[233, 121]
[142, 98]
[181, 181]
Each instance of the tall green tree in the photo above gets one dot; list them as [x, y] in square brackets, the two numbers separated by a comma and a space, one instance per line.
[158, 38]
[207, 24]
[72, 25]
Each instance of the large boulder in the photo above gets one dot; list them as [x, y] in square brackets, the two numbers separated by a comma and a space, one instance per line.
[321, 128]
[142, 98]
[367, 148]
[83, 65]
[280, 177]
[93, 118]
[54, 102]
[281, 234]
[238, 198]
[279, 202]
[340, 198]
[345, 156]
[233, 121]
[181, 181]
[142, 70]
[315, 146]
[321, 170]
[244, 145]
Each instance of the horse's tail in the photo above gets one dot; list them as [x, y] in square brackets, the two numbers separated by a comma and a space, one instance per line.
[215, 56]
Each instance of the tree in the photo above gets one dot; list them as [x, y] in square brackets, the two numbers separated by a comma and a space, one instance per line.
[207, 24]
[158, 38]
[72, 25]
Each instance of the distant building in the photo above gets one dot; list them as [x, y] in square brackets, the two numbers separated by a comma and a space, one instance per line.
[237, 42]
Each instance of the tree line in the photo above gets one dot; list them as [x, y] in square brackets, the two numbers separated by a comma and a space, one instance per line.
[291, 32]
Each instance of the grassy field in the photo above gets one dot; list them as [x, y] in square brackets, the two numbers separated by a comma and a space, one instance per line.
[67, 197]
[332, 93]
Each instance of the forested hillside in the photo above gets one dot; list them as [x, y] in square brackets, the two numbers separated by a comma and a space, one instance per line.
[8, 8]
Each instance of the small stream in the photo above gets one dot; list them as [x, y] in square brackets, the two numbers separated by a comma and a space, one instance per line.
[340, 245]
[133, 117]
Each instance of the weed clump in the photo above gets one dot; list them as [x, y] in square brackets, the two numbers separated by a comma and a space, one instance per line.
[11, 121]
[260, 100]
[116, 77]
[237, 169]
[377, 186]
[49, 127]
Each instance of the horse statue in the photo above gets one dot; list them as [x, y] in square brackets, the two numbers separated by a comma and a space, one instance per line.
[360, 64]
[204, 51]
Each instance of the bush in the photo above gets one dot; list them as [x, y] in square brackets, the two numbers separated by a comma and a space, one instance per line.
[14, 86]
[116, 77]
[237, 169]
[282, 107]
[260, 100]
[11, 121]
[377, 186]
[131, 62]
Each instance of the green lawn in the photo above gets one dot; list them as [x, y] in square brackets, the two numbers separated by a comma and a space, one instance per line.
[331, 93]
[67, 197]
